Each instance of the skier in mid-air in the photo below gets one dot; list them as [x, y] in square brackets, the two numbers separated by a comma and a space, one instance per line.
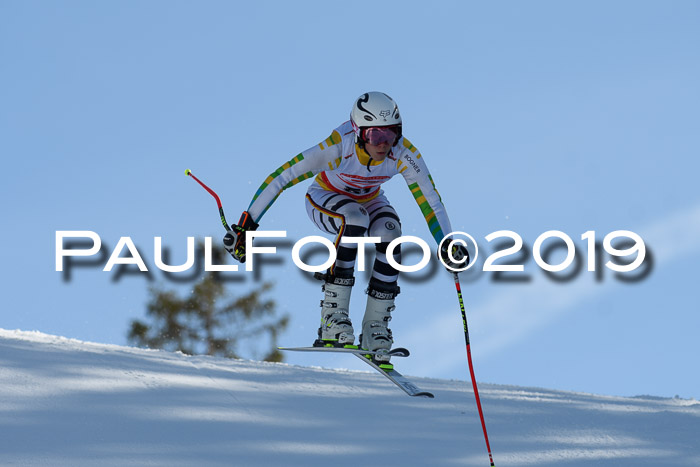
[346, 200]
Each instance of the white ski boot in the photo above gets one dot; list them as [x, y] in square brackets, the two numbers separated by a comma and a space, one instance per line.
[376, 335]
[336, 328]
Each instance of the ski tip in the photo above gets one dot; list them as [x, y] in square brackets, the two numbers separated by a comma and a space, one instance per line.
[188, 172]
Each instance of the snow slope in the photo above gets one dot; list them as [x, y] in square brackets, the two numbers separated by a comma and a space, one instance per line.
[69, 403]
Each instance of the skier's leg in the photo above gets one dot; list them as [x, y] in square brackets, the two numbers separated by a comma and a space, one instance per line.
[383, 286]
[384, 223]
[338, 215]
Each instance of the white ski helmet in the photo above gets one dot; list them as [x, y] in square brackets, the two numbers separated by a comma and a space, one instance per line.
[375, 109]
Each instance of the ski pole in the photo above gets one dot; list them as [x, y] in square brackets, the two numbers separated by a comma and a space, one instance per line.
[471, 366]
[216, 197]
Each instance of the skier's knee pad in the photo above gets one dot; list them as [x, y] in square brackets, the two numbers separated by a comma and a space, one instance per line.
[387, 228]
[355, 215]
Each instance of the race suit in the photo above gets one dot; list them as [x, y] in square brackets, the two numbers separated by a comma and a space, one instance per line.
[346, 198]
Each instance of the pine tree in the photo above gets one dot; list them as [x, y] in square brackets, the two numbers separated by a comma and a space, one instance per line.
[201, 324]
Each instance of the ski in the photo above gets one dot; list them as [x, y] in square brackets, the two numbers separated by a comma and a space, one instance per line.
[398, 379]
[397, 352]
[394, 376]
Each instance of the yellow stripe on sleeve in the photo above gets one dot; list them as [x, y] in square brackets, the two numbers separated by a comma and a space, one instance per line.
[407, 144]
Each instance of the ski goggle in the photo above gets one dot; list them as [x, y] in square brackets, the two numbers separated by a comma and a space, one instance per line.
[377, 135]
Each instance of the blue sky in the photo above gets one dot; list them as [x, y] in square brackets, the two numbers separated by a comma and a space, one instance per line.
[531, 116]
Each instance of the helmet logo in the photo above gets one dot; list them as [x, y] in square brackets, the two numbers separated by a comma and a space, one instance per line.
[363, 100]
[384, 114]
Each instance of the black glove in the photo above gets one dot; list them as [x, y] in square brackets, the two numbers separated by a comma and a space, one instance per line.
[234, 240]
[460, 255]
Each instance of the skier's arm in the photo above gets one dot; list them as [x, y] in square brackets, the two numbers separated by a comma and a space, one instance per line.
[414, 170]
[304, 166]
[301, 167]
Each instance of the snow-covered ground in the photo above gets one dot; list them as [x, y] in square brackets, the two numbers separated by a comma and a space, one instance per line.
[69, 403]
